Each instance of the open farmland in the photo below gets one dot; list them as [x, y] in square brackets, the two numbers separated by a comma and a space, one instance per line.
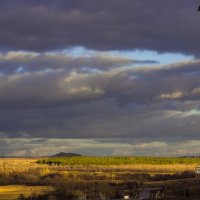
[109, 173]
[136, 164]
[13, 191]
[84, 160]
[11, 166]
[42, 166]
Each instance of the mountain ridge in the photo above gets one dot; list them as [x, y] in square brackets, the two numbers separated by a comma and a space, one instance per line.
[64, 154]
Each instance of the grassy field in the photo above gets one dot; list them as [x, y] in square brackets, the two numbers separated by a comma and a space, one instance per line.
[40, 167]
[27, 166]
[85, 161]
[69, 171]
[13, 191]
[125, 164]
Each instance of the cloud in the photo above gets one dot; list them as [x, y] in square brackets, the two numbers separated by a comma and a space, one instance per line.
[163, 26]
[140, 85]
[174, 95]
[140, 102]
[95, 147]
[48, 89]
[104, 119]
[21, 61]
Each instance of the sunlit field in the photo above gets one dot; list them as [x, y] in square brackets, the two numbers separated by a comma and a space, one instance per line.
[84, 160]
[62, 176]
[42, 166]
[27, 166]
[14, 191]
[132, 164]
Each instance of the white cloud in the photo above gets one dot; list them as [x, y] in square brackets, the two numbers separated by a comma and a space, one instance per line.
[173, 95]
[91, 147]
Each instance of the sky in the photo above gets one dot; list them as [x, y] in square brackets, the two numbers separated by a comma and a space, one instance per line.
[99, 77]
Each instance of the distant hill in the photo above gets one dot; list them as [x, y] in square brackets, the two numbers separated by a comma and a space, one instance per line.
[63, 154]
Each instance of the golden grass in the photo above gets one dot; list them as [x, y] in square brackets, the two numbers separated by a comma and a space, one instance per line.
[13, 191]
[29, 166]
[169, 168]
[21, 165]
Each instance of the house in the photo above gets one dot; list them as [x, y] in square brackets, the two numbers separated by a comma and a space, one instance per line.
[126, 197]
[125, 194]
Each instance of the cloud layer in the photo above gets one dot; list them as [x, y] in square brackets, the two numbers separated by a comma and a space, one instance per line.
[151, 102]
[59, 85]
[94, 147]
[49, 91]
[164, 26]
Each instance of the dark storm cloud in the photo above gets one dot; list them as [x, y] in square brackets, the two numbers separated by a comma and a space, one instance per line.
[141, 102]
[49, 89]
[164, 26]
[138, 85]
[103, 120]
